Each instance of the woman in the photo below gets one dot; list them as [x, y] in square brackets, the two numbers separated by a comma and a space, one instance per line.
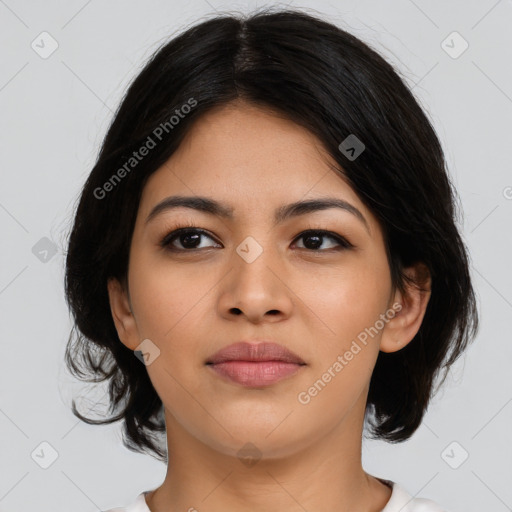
[270, 230]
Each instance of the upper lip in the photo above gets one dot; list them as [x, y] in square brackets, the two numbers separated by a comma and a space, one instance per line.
[255, 351]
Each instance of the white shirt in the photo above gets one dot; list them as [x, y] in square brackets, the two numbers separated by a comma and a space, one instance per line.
[400, 501]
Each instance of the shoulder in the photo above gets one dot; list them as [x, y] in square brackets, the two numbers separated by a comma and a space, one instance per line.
[422, 505]
[402, 501]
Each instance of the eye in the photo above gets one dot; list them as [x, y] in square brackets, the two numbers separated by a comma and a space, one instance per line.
[314, 239]
[189, 239]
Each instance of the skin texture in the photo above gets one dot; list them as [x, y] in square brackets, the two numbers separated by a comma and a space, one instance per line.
[314, 301]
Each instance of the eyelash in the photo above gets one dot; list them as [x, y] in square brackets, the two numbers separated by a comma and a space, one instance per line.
[192, 229]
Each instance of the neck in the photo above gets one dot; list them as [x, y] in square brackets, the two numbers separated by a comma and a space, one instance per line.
[325, 474]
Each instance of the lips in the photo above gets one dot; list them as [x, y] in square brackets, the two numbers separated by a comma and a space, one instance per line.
[257, 364]
[255, 352]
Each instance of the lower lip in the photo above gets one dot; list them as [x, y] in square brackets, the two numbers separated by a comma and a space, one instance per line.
[255, 373]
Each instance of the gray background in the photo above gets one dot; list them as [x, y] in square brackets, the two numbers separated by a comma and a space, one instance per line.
[56, 110]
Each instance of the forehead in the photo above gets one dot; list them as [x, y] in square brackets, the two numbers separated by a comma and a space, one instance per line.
[250, 158]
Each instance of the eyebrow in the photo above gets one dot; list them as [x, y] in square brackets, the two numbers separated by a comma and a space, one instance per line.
[284, 212]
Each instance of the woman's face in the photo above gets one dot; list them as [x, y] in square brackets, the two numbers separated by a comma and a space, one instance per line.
[248, 278]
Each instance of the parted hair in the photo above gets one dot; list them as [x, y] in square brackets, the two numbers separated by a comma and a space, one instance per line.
[330, 82]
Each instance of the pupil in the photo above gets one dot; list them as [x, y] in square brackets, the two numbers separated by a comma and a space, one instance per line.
[316, 244]
[188, 236]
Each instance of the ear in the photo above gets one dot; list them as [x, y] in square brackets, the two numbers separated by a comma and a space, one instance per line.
[122, 314]
[402, 328]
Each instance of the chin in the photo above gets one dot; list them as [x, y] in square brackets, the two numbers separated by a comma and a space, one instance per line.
[259, 441]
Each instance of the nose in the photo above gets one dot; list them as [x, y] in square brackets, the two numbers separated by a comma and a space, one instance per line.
[256, 289]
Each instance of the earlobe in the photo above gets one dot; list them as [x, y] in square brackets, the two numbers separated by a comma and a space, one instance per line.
[122, 314]
[401, 329]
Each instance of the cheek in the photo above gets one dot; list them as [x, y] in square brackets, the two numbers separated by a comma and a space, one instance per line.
[165, 296]
[350, 299]
[349, 305]
[167, 305]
